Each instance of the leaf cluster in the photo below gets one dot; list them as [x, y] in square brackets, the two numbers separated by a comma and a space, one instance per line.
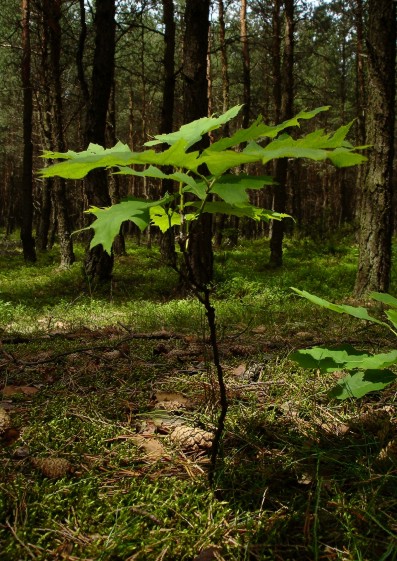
[217, 190]
[367, 372]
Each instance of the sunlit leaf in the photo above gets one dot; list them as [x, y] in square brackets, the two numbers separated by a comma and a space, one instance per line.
[194, 131]
[343, 357]
[384, 298]
[360, 383]
[233, 188]
[109, 220]
[248, 210]
[164, 219]
[355, 311]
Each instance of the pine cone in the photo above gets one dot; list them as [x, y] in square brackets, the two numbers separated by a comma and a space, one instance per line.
[5, 420]
[192, 438]
[54, 468]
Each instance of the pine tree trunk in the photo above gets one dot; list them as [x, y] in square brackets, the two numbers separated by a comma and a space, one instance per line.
[285, 102]
[52, 13]
[28, 243]
[167, 240]
[376, 198]
[98, 264]
[195, 101]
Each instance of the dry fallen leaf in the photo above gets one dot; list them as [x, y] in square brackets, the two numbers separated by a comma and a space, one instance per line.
[207, 554]
[239, 370]
[153, 448]
[170, 401]
[15, 390]
[388, 453]
[10, 436]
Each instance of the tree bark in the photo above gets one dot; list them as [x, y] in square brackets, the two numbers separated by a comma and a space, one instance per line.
[285, 103]
[246, 64]
[98, 264]
[376, 197]
[52, 13]
[28, 243]
[195, 98]
[167, 240]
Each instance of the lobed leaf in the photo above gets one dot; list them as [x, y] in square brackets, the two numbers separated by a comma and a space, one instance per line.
[360, 383]
[384, 298]
[233, 188]
[109, 220]
[343, 357]
[194, 131]
[355, 311]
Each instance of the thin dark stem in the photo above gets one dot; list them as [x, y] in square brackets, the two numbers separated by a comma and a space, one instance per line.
[210, 313]
[203, 294]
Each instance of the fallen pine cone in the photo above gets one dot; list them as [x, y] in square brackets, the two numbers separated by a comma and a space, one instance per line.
[54, 468]
[192, 438]
[5, 420]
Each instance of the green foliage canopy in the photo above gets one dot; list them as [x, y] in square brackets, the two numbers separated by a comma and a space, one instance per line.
[213, 192]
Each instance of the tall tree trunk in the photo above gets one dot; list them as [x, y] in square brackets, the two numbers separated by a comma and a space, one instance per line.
[376, 198]
[28, 243]
[360, 95]
[224, 64]
[285, 102]
[221, 220]
[246, 63]
[98, 264]
[195, 103]
[52, 13]
[167, 240]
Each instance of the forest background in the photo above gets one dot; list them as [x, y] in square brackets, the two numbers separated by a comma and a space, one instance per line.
[109, 396]
[99, 72]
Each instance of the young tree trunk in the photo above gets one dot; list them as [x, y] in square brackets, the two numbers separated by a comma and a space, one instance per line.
[195, 101]
[98, 264]
[376, 197]
[285, 102]
[28, 243]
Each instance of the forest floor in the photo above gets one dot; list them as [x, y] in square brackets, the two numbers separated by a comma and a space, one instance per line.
[109, 402]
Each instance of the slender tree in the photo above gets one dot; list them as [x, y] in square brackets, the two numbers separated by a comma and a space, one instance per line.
[195, 105]
[52, 10]
[167, 111]
[246, 63]
[283, 97]
[98, 264]
[28, 243]
[376, 198]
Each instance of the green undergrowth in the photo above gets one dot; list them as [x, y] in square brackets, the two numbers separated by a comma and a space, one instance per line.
[144, 293]
[300, 477]
[293, 482]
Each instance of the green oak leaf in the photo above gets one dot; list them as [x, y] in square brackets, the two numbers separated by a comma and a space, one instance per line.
[109, 220]
[194, 131]
[355, 311]
[384, 298]
[360, 383]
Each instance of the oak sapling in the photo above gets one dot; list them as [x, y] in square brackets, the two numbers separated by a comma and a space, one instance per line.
[218, 192]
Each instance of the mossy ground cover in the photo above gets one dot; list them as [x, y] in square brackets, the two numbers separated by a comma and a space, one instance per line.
[84, 372]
